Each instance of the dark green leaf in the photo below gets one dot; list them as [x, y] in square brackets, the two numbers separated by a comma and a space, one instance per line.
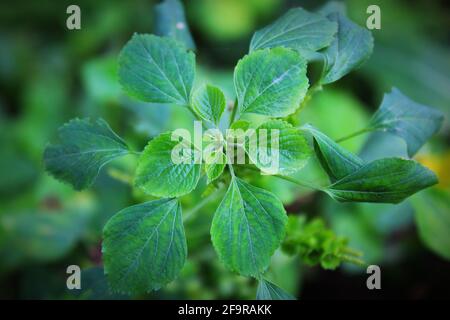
[388, 180]
[297, 29]
[432, 213]
[269, 291]
[209, 103]
[157, 174]
[155, 69]
[247, 228]
[351, 47]
[413, 122]
[82, 150]
[171, 22]
[271, 82]
[335, 160]
[144, 246]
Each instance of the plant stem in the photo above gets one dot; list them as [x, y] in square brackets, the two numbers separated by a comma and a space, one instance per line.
[354, 134]
[190, 213]
[233, 112]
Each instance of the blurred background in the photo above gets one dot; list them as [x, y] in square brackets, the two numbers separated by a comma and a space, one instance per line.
[49, 74]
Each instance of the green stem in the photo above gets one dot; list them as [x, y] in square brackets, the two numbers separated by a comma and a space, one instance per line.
[233, 112]
[354, 134]
[190, 213]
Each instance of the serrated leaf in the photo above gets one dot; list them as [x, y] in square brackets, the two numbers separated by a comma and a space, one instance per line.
[209, 103]
[288, 152]
[269, 291]
[334, 159]
[432, 214]
[247, 227]
[155, 69]
[144, 246]
[351, 47]
[270, 82]
[83, 148]
[158, 175]
[297, 29]
[413, 122]
[215, 170]
[171, 22]
[388, 180]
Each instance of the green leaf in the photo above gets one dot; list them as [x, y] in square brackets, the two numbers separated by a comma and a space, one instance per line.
[271, 82]
[432, 214]
[144, 246]
[351, 47]
[388, 180]
[82, 150]
[335, 160]
[269, 291]
[155, 69]
[240, 124]
[171, 22]
[413, 122]
[247, 228]
[297, 29]
[215, 170]
[209, 103]
[158, 175]
[289, 153]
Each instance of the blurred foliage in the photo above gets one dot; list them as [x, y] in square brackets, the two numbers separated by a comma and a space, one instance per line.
[49, 75]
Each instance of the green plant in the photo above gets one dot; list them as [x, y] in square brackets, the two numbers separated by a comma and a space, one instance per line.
[144, 246]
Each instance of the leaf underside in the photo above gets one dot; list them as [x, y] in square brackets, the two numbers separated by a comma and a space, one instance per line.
[269, 291]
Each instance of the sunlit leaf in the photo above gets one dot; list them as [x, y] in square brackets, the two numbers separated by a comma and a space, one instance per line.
[159, 175]
[209, 103]
[271, 82]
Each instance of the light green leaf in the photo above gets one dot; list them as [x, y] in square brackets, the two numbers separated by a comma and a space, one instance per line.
[159, 175]
[351, 47]
[83, 148]
[413, 122]
[247, 227]
[288, 152]
[271, 82]
[240, 124]
[297, 29]
[209, 103]
[215, 170]
[269, 291]
[144, 246]
[335, 160]
[388, 180]
[432, 213]
[171, 22]
[155, 69]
